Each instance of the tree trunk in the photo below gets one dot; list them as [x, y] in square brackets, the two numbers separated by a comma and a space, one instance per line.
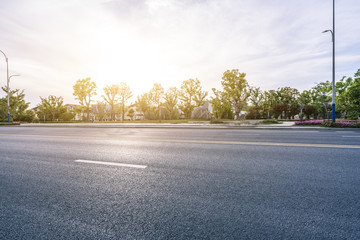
[123, 111]
[159, 113]
[88, 114]
[237, 108]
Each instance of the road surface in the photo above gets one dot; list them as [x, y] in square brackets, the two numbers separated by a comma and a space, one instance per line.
[116, 183]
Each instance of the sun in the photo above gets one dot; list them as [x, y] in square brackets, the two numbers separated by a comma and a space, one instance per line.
[131, 60]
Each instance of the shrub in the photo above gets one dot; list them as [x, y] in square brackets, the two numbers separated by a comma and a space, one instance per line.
[216, 121]
[337, 124]
[270, 121]
[342, 124]
[310, 122]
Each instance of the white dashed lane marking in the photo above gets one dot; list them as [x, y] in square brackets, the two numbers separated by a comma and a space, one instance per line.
[111, 163]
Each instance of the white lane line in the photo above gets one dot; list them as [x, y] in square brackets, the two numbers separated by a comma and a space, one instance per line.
[111, 163]
[351, 136]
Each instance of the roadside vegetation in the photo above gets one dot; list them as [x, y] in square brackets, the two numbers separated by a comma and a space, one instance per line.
[236, 100]
[270, 121]
[340, 123]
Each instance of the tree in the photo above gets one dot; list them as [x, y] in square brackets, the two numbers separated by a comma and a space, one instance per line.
[200, 98]
[306, 98]
[156, 95]
[18, 106]
[191, 95]
[143, 104]
[309, 110]
[131, 113]
[124, 94]
[171, 100]
[322, 92]
[288, 97]
[52, 108]
[79, 110]
[256, 97]
[84, 90]
[268, 103]
[353, 94]
[111, 94]
[221, 105]
[100, 111]
[237, 88]
[279, 109]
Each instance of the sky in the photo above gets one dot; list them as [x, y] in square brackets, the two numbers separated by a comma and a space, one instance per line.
[277, 43]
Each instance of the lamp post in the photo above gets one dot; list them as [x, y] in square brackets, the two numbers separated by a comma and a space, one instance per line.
[333, 63]
[7, 79]
[8, 90]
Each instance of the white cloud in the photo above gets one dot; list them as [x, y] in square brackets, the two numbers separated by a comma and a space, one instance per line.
[54, 43]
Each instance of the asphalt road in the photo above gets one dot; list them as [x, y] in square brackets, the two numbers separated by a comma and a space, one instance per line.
[181, 184]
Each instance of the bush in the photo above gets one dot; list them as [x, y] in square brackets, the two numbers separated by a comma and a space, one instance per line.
[216, 121]
[270, 121]
[342, 124]
[310, 122]
[337, 124]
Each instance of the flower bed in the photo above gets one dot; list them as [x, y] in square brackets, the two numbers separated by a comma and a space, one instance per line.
[325, 123]
[342, 124]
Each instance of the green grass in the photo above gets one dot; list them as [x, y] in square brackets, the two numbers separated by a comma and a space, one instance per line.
[7, 124]
[126, 121]
[270, 121]
[216, 121]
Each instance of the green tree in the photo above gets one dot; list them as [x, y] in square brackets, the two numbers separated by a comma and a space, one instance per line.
[100, 111]
[221, 105]
[237, 88]
[322, 94]
[143, 104]
[191, 95]
[131, 113]
[256, 98]
[305, 97]
[353, 96]
[52, 108]
[309, 110]
[79, 110]
[111, 94]
[268, 103]
[84, 90]
[18, 106]
[171, 101]
[124, 95]
[156, 95]
[288, 98]
[200, 98]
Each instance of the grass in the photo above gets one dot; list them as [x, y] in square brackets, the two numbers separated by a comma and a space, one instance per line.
[126, 121]
[216, 121]
[11, 123]
[270, 121]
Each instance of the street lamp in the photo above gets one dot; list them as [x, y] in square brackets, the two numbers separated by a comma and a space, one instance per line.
[333, 63]
[8, 90]
[7, 79]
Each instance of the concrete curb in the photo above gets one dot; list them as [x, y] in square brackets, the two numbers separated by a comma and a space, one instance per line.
[285, 125]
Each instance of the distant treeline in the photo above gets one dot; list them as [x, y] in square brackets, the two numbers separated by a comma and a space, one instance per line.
[236, 100]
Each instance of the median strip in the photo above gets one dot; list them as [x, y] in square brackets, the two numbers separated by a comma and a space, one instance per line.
[112, 163]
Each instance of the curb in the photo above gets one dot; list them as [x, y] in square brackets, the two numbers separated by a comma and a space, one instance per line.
[173, 126]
